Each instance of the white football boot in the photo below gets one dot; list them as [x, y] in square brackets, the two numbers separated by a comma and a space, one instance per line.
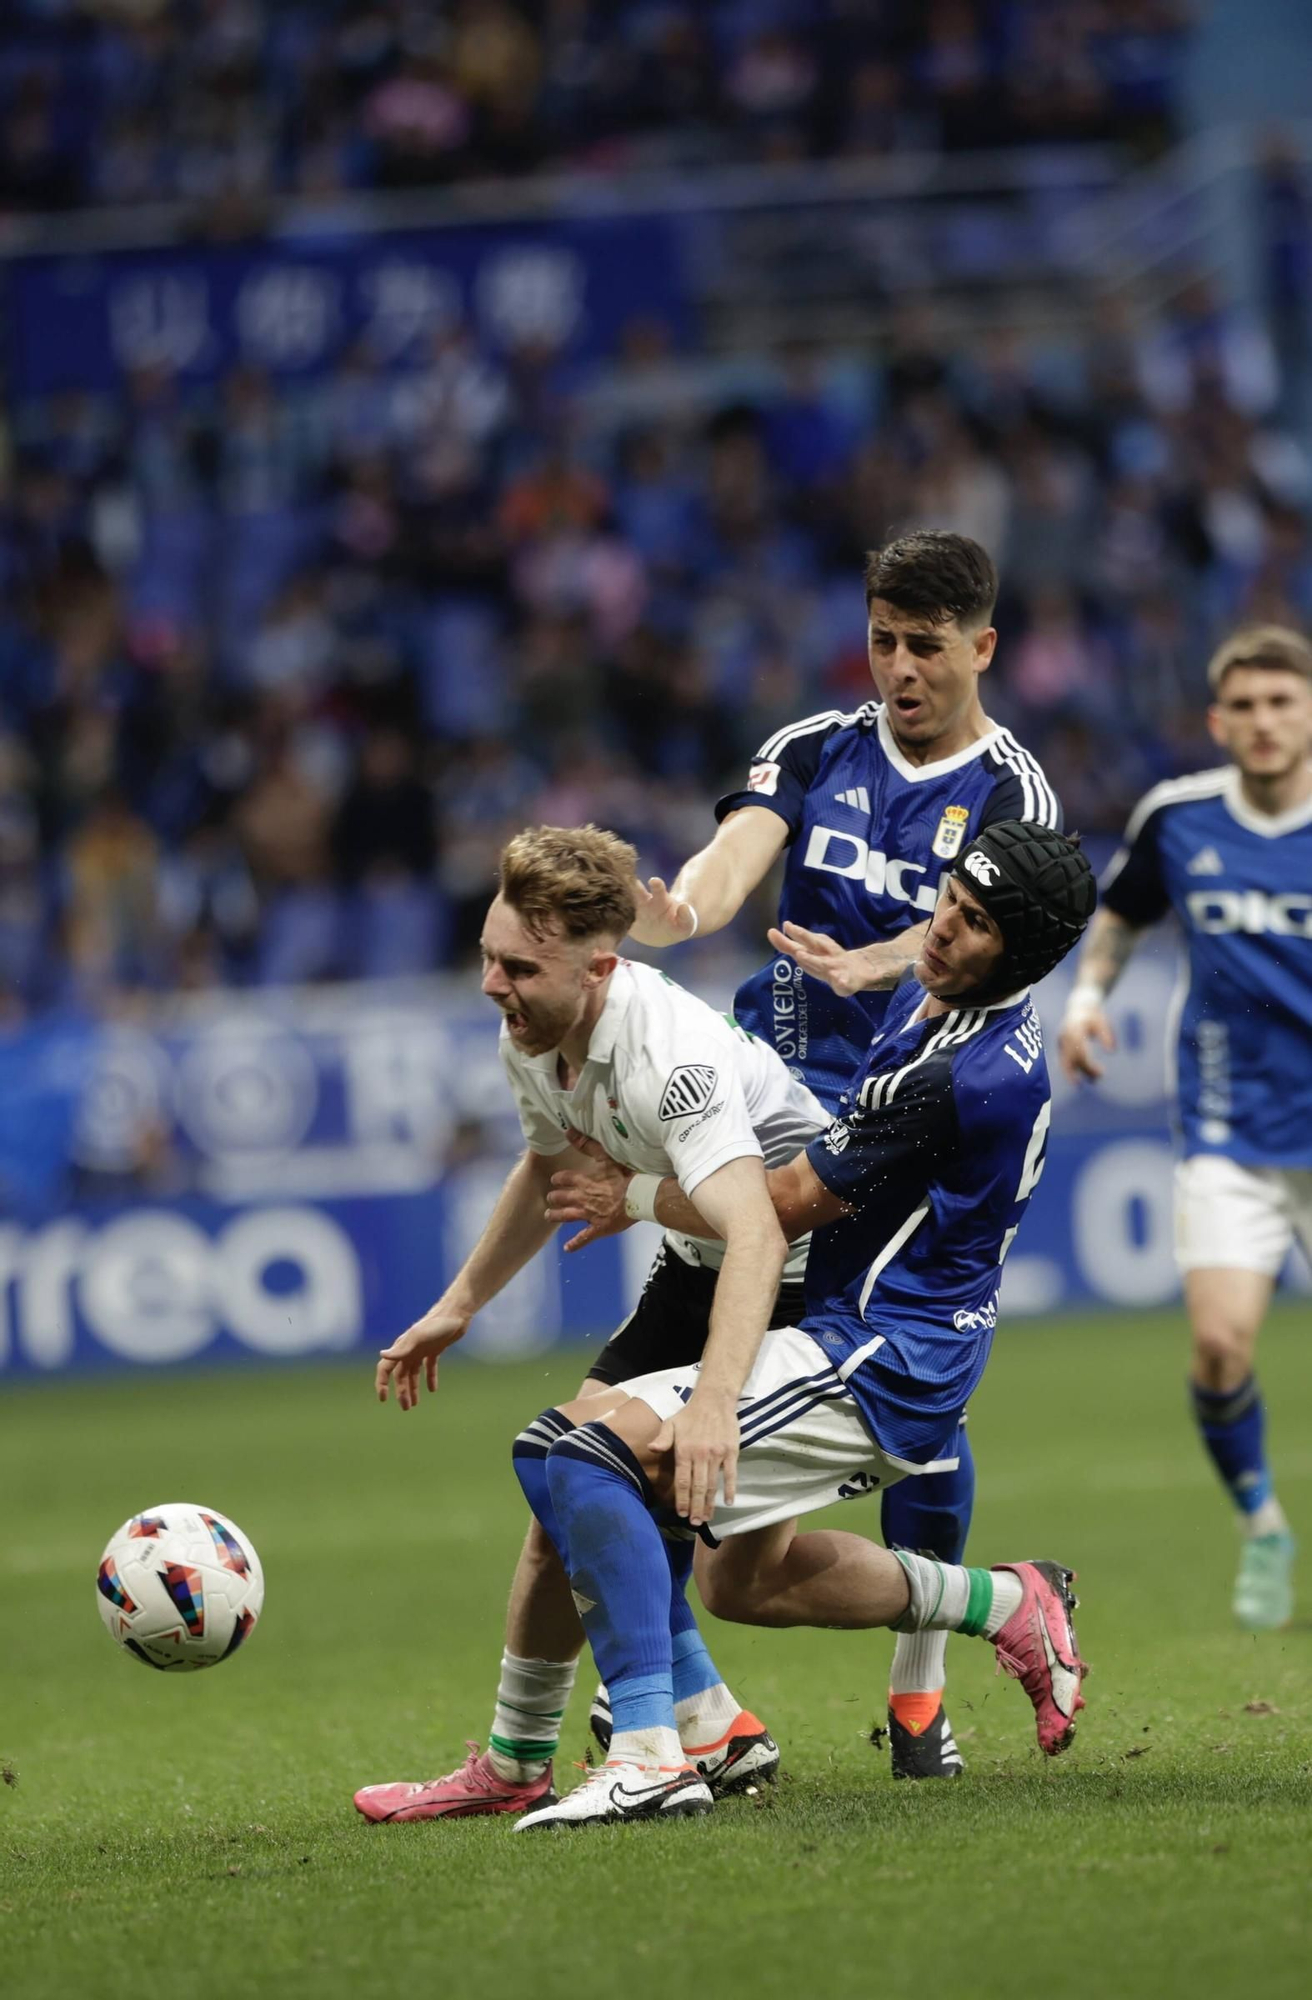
[629, 1792]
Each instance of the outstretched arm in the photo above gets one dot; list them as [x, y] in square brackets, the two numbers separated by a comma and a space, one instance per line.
[715, 883]
[516, 1230]
[1107, 950]
[861, 970]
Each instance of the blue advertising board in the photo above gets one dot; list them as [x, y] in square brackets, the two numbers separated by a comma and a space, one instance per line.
[84, 321]
[289, 1174]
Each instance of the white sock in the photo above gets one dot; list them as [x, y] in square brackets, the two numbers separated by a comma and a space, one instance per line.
[652, 1747]
[1007, 1593]
[532, 1696]
[1268, 1519]
[946, 1597]
[919, 1662]
[703, 1718]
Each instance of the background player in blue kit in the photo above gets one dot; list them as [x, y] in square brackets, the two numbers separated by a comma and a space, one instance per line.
[1230, 852]
[915, 1196]
[869, 810]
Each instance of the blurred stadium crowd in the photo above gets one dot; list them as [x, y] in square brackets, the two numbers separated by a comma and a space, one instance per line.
[220, 102]
[280, 667]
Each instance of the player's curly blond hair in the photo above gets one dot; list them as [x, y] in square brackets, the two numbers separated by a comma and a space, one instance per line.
[577, 880]
[1261, 646]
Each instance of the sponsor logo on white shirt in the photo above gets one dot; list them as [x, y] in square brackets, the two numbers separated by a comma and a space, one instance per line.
[687, 1089]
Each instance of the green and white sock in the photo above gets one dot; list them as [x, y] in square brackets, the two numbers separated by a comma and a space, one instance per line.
[532, 1696]
[947, 1597]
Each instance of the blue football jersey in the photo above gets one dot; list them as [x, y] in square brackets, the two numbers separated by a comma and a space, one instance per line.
[869, 837]
[938, 1156]
[1240, 883]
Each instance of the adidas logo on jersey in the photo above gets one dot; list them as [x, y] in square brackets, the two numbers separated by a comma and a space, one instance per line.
[1206, 862]
[858, 796]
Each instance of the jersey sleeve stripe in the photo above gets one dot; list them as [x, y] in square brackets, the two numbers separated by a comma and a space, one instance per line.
[1114, 867]
[1174, 792]
[889, 1252]
[955, 1029]
[1040, 799]
[771, 749]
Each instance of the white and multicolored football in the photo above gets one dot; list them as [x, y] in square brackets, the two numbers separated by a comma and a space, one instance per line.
[180, 1587]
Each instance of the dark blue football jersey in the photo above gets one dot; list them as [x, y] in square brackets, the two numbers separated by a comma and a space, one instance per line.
[1240, 883]
[938, 1156]
[869, 836]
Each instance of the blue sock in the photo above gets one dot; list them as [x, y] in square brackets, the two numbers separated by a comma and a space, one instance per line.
[618, 1569]
[931, 1514]
[529, 1457]
[1233, 1424]
[694, 1669]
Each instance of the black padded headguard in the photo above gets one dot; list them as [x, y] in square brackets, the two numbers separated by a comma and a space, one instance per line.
[1038, 888]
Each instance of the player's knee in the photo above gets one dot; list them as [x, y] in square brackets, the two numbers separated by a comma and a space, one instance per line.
[1223, 1351]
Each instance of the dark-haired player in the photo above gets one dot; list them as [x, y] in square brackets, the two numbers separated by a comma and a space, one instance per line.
[1230, 852]
[869, 808]
[914, 1197]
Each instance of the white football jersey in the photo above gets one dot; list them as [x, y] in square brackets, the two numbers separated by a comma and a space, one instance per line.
[669, 1087]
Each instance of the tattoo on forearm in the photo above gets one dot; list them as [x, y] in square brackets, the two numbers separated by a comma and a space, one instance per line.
[1111, 942]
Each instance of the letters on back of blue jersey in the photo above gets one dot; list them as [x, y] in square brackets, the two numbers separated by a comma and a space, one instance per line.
[937, 1158]
[869, 837]
[1240, 884]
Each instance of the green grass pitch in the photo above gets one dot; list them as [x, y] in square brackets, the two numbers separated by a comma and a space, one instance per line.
[194, 1835]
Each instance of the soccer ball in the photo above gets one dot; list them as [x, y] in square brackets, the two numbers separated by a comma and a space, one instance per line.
[179, 1587]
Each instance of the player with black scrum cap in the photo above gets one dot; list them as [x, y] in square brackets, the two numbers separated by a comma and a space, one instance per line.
[914, 1197]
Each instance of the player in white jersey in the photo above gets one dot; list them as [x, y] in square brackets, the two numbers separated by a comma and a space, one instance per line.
[1230, 851]
[621, 1054]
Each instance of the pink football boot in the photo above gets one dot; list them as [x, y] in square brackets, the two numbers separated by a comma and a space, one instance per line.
[1038, 1647]
[474, 1788]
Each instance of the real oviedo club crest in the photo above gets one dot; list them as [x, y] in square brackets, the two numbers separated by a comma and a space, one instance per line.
[951, 832]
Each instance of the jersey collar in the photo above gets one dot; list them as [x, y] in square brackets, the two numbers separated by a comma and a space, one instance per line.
[919, 774]
[619, 997]
[1269, 825]
[988, 1007]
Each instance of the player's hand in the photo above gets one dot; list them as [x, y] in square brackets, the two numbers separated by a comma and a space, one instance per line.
[1079, 1031]
[595, 1198]
[415, 1354]
[662, 918]
[824, 958]
[703, 1436]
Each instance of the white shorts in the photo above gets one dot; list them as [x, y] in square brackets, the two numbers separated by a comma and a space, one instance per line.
[1237, 1218]
[803, 1444]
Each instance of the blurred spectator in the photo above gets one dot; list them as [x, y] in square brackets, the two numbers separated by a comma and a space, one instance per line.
[1285, 227]
[384, 823]
[111, 932]
[220, 103]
